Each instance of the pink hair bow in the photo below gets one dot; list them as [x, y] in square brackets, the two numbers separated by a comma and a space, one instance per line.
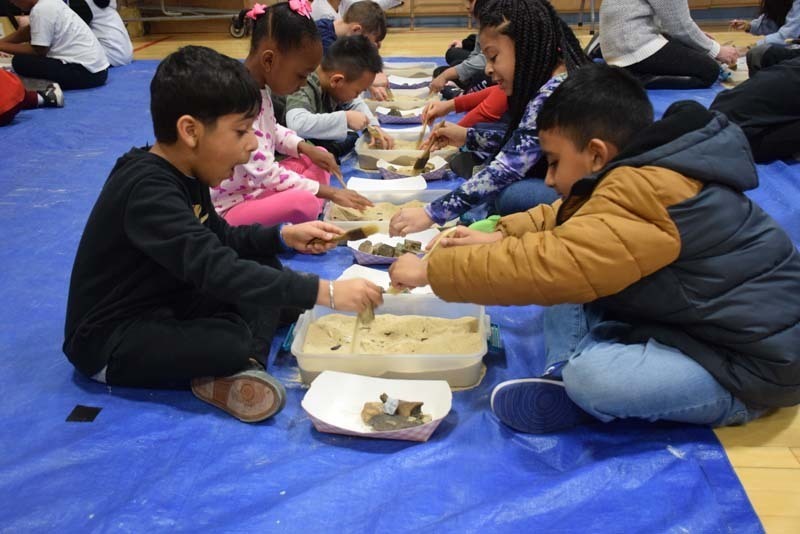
[258, 10]
[301, 7]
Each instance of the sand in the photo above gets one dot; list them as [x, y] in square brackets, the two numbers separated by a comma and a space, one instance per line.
[393, 334]
[381, 211]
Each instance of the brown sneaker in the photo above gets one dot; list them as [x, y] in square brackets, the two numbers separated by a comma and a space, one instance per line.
[249, 396]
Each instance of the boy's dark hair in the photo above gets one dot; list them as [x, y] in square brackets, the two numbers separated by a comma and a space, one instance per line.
[597, 101]
[541, 41]
[352, 56]
[288, 29]
[200, 82]
[370, 16]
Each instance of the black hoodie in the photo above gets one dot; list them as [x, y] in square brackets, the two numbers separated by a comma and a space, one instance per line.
[152, 238]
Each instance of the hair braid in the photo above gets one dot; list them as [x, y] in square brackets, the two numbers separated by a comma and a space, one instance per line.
[541, 41]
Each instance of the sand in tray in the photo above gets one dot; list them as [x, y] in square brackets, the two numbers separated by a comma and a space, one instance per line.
[400, 144]
[381, 211]
[393, 334]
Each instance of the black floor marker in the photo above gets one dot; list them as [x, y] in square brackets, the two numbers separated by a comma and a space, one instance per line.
[83, 414]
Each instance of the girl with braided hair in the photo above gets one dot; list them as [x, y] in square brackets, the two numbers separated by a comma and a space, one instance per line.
[529, 51]
[285, 48]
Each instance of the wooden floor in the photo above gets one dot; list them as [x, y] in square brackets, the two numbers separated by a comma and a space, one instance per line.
[765, 454]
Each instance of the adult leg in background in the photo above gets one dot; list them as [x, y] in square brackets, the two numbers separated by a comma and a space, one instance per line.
[677, 59]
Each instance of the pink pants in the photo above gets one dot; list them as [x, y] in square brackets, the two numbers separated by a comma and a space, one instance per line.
[292, 205]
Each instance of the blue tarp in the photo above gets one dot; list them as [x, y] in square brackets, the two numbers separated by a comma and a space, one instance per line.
[164, 461]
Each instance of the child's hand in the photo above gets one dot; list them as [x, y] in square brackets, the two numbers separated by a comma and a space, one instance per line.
[740, 25]
[455, 44]
[408, 272]
[350, 199]
[445, 134]
[438, 83]
[356, 120]
[379, 93]
[434, 110]
[319, 157]
[298, 236]
[466, 236]
[409, 220]
[387, 141]
[351, 295]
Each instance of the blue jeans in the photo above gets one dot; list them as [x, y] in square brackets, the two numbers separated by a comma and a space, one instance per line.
[612, 380]
[524, 195]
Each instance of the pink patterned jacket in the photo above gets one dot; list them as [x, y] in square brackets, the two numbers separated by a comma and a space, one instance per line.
[262, 176]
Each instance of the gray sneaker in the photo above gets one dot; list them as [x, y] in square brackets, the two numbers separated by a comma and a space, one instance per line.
[53, 96]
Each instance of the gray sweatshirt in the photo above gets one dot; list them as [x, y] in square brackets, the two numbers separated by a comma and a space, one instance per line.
[634, 30]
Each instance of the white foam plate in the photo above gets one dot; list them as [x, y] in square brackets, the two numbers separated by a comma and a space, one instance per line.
[412, 183]
[335, 400]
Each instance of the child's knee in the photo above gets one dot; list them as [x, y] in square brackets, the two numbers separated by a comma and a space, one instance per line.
[301, 206]
[598, 386]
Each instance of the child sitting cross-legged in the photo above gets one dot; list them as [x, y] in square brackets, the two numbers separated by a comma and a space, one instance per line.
[672, 295]
[164, 292]
[327, 110]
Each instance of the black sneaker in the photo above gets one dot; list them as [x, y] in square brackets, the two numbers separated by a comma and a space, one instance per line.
[53, 96]
[449, 92]
[536, 406]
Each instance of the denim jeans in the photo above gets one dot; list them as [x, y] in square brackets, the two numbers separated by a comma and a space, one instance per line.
[612, 380]
[524, 195]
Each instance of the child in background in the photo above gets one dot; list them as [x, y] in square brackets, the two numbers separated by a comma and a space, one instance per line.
[778, 22]
[57, 46]
[108, 27]
[285, 48]
[467, 73]
[189, 298]
[337, 9]
[14, 97]
[328, 110]
[529, 51]
[362, 18]
[767, 108]
[688, 293]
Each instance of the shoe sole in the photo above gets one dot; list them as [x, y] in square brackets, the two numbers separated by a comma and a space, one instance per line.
[247, 397]
[536, 406]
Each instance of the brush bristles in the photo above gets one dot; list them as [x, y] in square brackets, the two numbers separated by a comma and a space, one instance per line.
[360, 233]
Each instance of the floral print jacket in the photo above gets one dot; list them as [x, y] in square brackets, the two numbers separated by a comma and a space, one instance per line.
[512, 163]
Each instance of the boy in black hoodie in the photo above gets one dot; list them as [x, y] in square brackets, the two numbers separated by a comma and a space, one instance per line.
[163, 292]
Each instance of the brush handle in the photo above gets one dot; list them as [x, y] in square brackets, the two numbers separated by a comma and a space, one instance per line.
[422, 134]
[338, 176]
[439, 240]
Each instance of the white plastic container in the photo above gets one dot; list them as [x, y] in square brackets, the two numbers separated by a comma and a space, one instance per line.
[459, 370]
[399, 102]
[395, 197]
[368, 157]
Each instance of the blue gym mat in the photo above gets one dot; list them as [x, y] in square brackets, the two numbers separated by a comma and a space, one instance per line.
[163, 461]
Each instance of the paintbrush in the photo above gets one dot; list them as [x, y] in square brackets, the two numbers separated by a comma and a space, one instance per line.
[353, 234]
[419, 165]
[422, 134]
[439, 240]
[338, 174]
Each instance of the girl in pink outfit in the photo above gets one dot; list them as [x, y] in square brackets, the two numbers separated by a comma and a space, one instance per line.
[284, 50]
